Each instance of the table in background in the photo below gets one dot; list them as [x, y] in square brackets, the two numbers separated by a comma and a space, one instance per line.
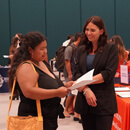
[121, 119]
[4, 79]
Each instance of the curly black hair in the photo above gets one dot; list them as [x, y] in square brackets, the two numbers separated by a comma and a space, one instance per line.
[31, 39]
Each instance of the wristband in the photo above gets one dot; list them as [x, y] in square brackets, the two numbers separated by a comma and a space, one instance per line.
[86, 91]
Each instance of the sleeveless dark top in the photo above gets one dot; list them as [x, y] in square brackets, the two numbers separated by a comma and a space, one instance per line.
[49, 106]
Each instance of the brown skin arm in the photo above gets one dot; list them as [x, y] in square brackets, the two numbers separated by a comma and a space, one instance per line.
[27, 79]
[68, 68]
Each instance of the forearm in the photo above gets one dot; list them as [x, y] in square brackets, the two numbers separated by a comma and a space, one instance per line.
[99, 79]
[39, 93]
[68, 67]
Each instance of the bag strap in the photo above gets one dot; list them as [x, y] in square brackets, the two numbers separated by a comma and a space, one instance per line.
[37, 101]
[14, 82]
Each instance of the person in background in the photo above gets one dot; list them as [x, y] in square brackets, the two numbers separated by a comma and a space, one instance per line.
[128, 54]
[69, 54]
[67, 42]
[12, 49]
[16, 42]
[19, 36]
[122, 52]
[96, 103]
[51, 89]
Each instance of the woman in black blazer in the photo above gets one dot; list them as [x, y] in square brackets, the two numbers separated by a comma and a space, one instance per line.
[96, 102]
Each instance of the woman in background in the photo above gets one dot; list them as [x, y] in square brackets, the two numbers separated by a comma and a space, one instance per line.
[12, 49]
[122, 52]
[19, 37]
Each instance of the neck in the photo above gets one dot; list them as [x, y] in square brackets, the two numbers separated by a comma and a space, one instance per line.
[95, 45]
[34, 61]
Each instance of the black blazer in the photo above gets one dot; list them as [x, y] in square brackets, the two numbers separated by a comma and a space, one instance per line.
[106, 63]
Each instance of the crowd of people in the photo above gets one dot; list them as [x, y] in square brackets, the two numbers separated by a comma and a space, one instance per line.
[93, 105]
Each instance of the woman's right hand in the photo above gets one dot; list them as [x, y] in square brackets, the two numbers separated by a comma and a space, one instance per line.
[62, 92]
[69, 84]
[91, 98]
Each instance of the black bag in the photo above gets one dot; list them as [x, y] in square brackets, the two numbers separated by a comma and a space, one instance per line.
[59, 64]
[60, 60]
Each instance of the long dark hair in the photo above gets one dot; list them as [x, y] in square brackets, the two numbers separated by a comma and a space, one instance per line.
[31, 39]
[103, 39]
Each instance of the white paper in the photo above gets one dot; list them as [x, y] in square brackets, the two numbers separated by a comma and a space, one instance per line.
[74, 92]
[124, 73]
[5, 56]
[83, 80]
[122, 89]
[123, 94]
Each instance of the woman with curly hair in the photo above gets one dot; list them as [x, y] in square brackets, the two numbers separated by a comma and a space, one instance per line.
[50, 89]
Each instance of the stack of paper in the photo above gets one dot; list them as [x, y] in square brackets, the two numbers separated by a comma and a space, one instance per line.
[123, 94]
[83, 80]
[122, 89]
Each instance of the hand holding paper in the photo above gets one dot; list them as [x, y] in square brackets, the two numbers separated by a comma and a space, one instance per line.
[83, 80]
[69, 84]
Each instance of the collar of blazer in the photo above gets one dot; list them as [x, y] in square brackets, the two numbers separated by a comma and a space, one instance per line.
[97, 57]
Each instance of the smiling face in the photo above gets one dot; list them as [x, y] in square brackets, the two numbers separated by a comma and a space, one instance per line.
[40, 51]
[93, 32]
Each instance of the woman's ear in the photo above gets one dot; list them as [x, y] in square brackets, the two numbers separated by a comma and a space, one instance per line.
[30, 50]
[101, 31]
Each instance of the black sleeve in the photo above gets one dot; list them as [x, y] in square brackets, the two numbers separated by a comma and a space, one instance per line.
[112, 63]
[77, 72]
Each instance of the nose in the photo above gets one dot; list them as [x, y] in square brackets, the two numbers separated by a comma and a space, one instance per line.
[89, 32]
[45, 50]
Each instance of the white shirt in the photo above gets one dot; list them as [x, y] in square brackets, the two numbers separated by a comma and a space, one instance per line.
[66, 42]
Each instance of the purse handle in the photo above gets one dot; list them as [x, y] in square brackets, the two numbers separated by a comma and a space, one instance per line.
[37, 101]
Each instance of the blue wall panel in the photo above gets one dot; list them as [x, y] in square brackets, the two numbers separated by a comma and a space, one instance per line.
[58, 18]
[102, 8]
[4, 31]
[27, 15]
[123, 21]
[62, 18]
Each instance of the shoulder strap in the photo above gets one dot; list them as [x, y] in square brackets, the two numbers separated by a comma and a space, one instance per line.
[37, 101]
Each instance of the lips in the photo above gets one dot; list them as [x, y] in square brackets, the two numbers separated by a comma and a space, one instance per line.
[89, 38]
